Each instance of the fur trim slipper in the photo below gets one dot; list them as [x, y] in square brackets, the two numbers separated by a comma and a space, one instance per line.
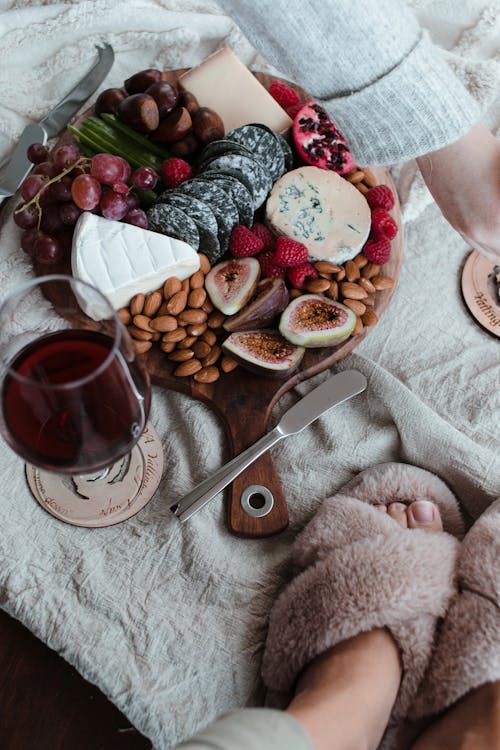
[467, 652]
[360, 570]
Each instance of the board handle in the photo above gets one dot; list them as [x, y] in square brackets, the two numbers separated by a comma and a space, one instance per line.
[261, 473]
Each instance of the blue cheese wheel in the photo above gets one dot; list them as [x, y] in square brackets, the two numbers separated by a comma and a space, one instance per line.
[322, 210]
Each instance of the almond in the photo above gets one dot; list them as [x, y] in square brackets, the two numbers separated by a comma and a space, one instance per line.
[360, 260]
[371, 269]
[152, 304]
[207, 306]
[333, 291]
[370, 178]
[185, 369]
[189, 316]
[178, 334]
[212, 356]
[294, 293]
[362, 187]
[316, 286]
[216, 319]
[124, 316]
[204, 263]
[358, 327]
[181, 355]
[142, 322]
[186, 343]
[197, 280]
[325, 266]
[355, 177]
[352, 291]
[185, 285]
[227, 364]
[171, 286]
[196, 329]
[201, 349]
[164, 323]
[141, 347]
[156, 336]
[370, 300]
[209, 336]
[137, 304]
[167, 346]
[177, 302]
[355, 305]
[352, 271]
[382, 282]
[369, 318]
[162, 310]
[340, 274]
[366, 284]
[207, 375]
[138, 333]
[197, 297]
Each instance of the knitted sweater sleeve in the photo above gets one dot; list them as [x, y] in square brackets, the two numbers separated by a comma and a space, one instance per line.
[388, 88]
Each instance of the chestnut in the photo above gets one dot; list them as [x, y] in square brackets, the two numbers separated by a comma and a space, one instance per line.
[140, 112]
[108, 101]
[165, 95]
[139, 82]
[189, 101]
[186, 146]
[207, 125]
[170, 77]
[173, 127]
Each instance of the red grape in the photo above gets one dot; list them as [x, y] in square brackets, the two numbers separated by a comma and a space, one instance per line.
[46, 168]
[66, 155]
[60, 191]
[26, 218]
[51, 221]
[126, 169]
[37, 153]
[120, 187]
[47, 250]
[107, 168]
[132, 200]
[69, 214]
[28, 239]
[113, 205]
[31, 185]
[136, 217]
[144, 178]
[86, 192]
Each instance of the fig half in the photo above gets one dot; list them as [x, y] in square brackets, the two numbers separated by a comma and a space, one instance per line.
[270, 298]
[313, 321]
[231, 284]
[264, 352]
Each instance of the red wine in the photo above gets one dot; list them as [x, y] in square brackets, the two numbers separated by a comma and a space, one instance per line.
[68, 417]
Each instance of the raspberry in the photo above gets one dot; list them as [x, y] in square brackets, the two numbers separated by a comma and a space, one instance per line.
[380, 196]
[286, 97]
[377, 250]
[265, 234]
[268, 266]
[243, 242]
[298, 274]
[383, 225]
[290, 253]
[174, 171]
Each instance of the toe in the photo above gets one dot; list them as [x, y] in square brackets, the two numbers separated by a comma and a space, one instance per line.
[423, 514]
[397, 511]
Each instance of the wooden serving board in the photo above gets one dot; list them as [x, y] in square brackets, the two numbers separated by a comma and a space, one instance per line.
[243, 401]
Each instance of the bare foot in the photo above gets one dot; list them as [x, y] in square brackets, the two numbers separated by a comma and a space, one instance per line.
[344, 697]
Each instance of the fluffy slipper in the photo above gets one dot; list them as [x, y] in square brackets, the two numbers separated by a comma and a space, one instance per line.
[360, 570]
[467, 652]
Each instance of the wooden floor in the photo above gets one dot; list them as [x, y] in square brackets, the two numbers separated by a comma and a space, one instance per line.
[46, 705]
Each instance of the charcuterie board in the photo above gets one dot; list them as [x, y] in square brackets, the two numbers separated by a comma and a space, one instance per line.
[243, 401]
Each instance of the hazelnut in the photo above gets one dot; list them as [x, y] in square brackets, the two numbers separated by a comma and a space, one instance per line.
[173, 127]
[207, 125]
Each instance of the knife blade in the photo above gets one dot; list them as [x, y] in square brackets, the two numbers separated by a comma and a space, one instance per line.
[18, 164]
[332, 392]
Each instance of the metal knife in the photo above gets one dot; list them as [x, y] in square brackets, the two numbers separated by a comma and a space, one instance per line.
[18, 165]
[332, 392]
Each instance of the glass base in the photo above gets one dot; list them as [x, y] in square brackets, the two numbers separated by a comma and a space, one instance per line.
[481, 290]
[105, 497]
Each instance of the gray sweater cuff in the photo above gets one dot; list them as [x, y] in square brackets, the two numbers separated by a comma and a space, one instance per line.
[418, 107]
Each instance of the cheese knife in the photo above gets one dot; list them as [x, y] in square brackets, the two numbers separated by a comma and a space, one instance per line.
[334, 391]
[17, 166]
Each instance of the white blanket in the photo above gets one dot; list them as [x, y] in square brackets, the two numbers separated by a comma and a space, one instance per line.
[169, 620]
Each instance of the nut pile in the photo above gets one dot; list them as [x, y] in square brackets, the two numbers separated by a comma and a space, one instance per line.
[181, 318]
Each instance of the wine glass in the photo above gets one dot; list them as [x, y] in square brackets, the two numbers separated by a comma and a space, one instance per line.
[75, 400]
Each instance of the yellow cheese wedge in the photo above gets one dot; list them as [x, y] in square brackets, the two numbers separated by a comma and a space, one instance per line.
[224, 84]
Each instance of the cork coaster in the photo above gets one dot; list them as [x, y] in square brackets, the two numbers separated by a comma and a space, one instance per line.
[481, 288]
[106, 497]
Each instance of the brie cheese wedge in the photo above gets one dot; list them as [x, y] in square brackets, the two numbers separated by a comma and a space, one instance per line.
[122, 260]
